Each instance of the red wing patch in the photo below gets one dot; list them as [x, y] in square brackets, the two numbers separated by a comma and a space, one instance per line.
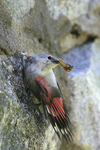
[57, 108]
[29, 57]
[52, 103]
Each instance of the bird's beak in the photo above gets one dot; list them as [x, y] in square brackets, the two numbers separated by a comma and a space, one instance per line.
[55, 60]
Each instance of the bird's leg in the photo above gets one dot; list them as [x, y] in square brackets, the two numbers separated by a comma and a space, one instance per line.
[39, 115]
[36, 107]
[33, 106]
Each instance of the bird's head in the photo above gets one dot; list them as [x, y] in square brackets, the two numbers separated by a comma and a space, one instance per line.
[41, 63]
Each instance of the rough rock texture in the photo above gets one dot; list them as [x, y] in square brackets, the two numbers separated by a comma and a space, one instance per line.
[85, 93]
[70, 29]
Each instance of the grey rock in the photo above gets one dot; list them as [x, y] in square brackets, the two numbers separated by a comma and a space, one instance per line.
[85, 93]
[71, 28]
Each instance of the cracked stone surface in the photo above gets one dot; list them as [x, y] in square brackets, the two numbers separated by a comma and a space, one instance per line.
[63, 28]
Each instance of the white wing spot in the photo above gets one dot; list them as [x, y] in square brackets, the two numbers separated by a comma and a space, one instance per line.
[52, 112]
[62, 131]
[56, 128]
[66, 131]
[47, 109]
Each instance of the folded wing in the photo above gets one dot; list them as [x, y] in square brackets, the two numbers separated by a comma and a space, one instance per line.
[53, 106]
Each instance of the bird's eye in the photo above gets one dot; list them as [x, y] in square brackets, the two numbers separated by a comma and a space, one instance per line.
[49, 57]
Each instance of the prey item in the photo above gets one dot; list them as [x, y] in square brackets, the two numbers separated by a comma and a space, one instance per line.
[66, 66]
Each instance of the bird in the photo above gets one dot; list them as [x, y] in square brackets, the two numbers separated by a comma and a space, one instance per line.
[40, 78]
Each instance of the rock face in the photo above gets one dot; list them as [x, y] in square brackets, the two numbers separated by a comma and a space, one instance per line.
[68, 29]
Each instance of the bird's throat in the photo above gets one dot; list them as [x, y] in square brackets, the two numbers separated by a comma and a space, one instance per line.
[50, 78]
